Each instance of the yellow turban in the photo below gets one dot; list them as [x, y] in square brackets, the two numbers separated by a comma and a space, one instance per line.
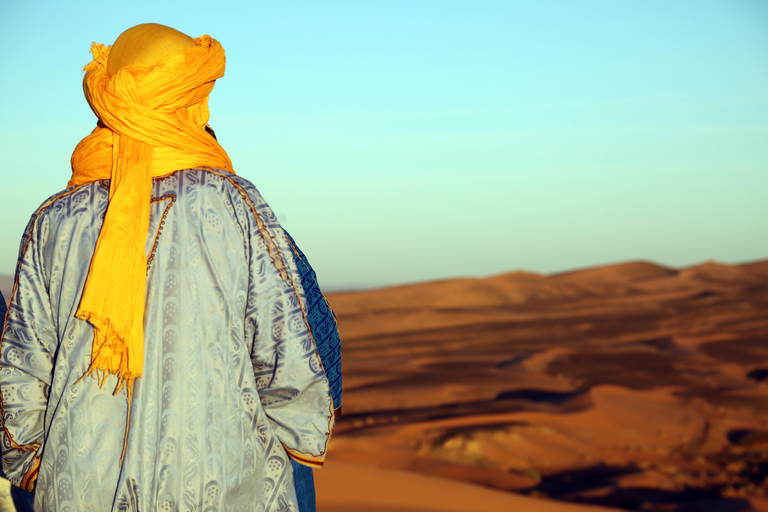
[150, 93]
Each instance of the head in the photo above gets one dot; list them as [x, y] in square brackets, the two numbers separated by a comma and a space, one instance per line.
[145, 45]
[155, 67]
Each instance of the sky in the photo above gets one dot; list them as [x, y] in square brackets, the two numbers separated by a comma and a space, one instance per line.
[404, 141]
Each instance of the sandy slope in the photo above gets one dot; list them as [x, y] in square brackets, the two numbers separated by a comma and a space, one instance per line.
[346, 487]
[632, 385]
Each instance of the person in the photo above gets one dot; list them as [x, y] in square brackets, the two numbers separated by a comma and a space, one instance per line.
[158, 352]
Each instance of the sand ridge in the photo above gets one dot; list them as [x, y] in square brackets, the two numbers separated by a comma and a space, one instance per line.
[632, 385]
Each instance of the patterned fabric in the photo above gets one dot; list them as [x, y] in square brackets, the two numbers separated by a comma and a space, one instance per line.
[232, 380]
[322, 321]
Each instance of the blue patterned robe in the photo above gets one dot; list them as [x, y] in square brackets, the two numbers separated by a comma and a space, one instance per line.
[232, 381]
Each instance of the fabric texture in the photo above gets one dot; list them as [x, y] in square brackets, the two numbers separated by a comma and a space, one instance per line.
[151, 122]
[304, 483]
[322, 322]
[232, 383]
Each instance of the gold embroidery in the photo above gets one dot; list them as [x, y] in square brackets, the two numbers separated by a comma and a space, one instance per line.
[305, 458]
[30, 477]
[171, 197]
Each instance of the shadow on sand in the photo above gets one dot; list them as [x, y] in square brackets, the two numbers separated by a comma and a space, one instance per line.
[596, 486]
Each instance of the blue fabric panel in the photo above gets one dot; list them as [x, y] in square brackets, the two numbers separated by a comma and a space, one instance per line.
[304, 482]
[322, 322]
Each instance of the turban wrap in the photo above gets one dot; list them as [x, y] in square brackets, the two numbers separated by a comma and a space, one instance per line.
[152, 121]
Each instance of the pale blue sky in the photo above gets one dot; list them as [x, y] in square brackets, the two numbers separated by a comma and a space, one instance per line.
[401, 141]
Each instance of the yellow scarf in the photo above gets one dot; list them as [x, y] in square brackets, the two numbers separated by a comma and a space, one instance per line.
[151, 122]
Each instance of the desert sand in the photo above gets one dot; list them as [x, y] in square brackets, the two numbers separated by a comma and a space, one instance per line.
[633, 386]
[346, 487]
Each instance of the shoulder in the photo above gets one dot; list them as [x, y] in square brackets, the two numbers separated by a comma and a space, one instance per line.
[74, 200]
[236, 185]
[239, 193]
[89, 200]
[206, 180]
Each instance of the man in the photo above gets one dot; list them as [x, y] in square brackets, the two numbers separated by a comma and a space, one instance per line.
[158, 353]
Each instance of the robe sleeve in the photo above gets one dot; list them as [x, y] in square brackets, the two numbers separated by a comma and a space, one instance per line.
[27, 345]
[290, 378]
[322, 323]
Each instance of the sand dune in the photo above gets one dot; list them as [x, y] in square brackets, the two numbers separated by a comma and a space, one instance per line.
[345, 487]
[634, 385]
